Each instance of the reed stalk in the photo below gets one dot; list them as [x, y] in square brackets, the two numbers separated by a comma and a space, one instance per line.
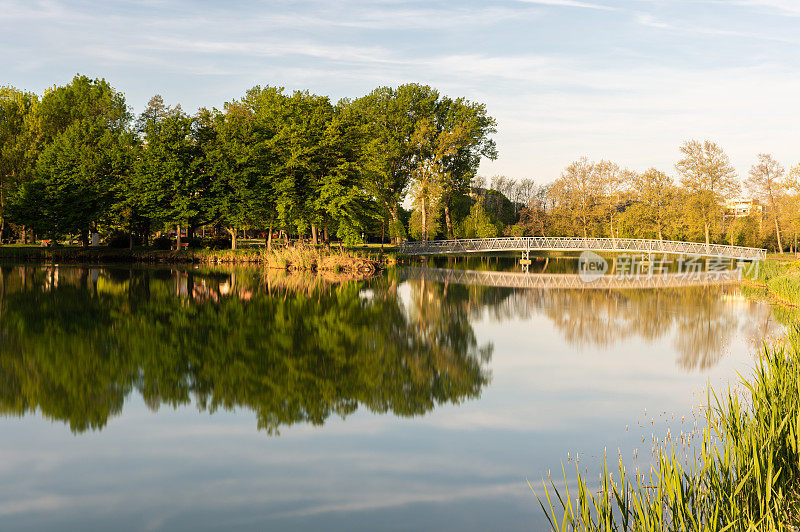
[743, 477]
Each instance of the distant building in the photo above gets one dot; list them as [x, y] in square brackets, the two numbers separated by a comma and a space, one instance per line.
[741, 207]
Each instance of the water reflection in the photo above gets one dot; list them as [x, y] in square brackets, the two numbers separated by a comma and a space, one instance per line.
[700, 318]
[570, 372]
[77, 341]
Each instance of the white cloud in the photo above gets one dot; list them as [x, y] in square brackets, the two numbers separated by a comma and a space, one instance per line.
[789, 7]
[568, 3]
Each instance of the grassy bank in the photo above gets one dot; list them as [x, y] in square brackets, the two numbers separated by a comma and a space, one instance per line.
[308, 258]
[743, 475]
[780, 280]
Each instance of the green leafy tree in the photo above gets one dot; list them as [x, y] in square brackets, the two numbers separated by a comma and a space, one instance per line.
[172, 180]
[709, 178]
[17, 155]
[389, 118]
[80, 131]
[479, 224]
[654, 194]
[766, 184]
[465, 139]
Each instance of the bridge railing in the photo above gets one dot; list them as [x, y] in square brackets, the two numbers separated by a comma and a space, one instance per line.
[633, 245]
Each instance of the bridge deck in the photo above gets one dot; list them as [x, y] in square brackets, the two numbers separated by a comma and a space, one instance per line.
[629, 245]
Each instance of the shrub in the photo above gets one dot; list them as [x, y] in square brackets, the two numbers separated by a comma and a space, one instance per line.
[120, 239]
[162, 243]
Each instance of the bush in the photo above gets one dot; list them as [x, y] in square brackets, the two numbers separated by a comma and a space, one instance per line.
[194, 243]
[162, 243]
[219, 242]
[121, 240]
[479, 224]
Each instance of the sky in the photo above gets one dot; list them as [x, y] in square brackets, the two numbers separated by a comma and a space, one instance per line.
[624, 80]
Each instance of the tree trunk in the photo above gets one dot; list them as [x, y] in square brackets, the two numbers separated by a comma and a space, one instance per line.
[85, 238]
[178, 233]
[269, 237]
[424, 220]
[778, 234]
[232, 232]
[314, 240]
[708, 234]
[130, 240]
[395, 238]
[611, 222]
[448, 222]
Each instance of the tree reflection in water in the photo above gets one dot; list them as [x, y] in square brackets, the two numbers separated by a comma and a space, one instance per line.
[701, 320]
[76, 341]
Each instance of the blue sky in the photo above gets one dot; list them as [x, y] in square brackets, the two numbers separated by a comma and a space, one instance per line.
[626, 80]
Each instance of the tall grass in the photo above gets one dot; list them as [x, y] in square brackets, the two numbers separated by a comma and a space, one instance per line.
[297, 257]
[743, 477]
[781, 280]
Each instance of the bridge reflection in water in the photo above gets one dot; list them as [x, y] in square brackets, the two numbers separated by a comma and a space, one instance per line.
[572, 281]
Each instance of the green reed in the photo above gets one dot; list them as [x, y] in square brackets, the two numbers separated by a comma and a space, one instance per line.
[743, 477]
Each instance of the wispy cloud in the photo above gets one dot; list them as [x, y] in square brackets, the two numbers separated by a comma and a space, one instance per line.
[569, 3]
[789, 7]
[564, 77]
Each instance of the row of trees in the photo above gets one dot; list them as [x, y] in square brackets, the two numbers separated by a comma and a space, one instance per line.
[602, 199]
[75, 161]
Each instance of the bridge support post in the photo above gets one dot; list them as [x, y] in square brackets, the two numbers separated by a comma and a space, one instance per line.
[525, 261]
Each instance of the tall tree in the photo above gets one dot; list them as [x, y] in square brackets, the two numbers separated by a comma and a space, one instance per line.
[17, 154]
[465, 131]
[535, 218]
[389, 118]
[576, 194]
[82, 131]
[433, 176]
[709, 177]
[343, 194]
[173, 184]
[765, 183]
[611, 182]
[653, 190]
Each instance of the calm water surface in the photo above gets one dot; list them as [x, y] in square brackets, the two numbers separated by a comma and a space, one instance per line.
[196, 399]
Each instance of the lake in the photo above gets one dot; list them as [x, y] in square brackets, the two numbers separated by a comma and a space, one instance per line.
[196, 398]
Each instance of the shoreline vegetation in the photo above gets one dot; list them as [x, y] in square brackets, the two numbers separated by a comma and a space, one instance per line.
[780, 281]
[742, 475]
[292, 258]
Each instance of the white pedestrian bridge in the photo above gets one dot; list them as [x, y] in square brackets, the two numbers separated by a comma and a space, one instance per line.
[526, 244]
